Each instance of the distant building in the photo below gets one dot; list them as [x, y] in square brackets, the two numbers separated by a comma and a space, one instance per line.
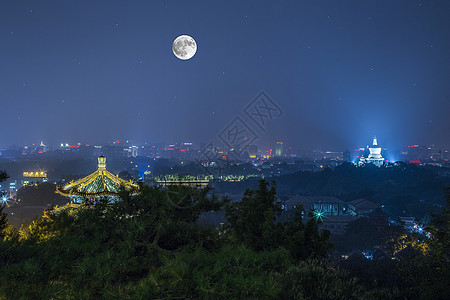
[425, 154]
[131, 151]
[374, 155]
[13, 191]
[362, 207]
[296, 201]
[337, 224]
[42, 148]
[328, 206]
[335, 214]
[279, 151]
[252, 151]
[34, 177]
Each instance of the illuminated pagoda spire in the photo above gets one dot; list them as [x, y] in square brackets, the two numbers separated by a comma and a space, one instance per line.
[375, 156]
[101, 183]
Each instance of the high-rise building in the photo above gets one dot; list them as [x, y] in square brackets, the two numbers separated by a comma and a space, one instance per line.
[279, 149]
[42, 148]
[131, 151]
[252, 151]
[12, 191]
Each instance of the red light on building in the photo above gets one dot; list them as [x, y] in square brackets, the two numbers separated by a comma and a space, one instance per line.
[117, 141]
[87, 145]
[414, 161]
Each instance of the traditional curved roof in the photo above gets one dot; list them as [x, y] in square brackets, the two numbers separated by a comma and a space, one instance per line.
[100, 183]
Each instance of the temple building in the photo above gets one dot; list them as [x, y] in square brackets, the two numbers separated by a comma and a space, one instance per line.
[101, 183]
[374, 155]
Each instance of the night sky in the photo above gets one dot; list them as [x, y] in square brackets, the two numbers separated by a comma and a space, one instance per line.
[342, 71]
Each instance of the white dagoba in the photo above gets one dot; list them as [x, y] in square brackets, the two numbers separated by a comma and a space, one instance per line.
[374, 156]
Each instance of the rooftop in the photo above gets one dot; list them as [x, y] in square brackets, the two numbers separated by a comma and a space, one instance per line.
[100, 183]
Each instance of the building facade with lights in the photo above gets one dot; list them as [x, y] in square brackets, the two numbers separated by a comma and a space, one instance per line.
[34, 177]
[279, 150]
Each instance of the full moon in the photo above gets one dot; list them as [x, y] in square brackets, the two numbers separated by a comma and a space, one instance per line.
[184, 47]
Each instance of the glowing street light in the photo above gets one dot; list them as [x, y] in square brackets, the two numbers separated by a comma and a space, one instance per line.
[4, 200]
[319, 215]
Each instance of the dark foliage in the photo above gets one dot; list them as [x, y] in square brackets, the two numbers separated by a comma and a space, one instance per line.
[151, 246]
[3, 220]
[3, 176]
[252, 221]
[403, 189]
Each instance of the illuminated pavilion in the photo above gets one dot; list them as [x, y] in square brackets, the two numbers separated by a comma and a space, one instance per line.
[101, 183]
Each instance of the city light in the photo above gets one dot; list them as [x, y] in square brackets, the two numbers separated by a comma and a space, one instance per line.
[319, 215]
[4, 200]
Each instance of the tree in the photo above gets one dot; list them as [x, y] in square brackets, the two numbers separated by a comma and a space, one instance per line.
[3, 176]
[107, 247]
[252, 219]
[440, 232]
[361, 234]
[3, 221]
[125, 175]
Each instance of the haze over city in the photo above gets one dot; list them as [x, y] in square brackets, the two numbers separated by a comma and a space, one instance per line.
[289, 149]
[340, 74]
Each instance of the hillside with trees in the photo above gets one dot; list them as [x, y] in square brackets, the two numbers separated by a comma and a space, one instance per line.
[151, 246]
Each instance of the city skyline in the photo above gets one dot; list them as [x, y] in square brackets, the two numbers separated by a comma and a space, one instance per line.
[255, 149]
[198, 144]
[340, 74]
